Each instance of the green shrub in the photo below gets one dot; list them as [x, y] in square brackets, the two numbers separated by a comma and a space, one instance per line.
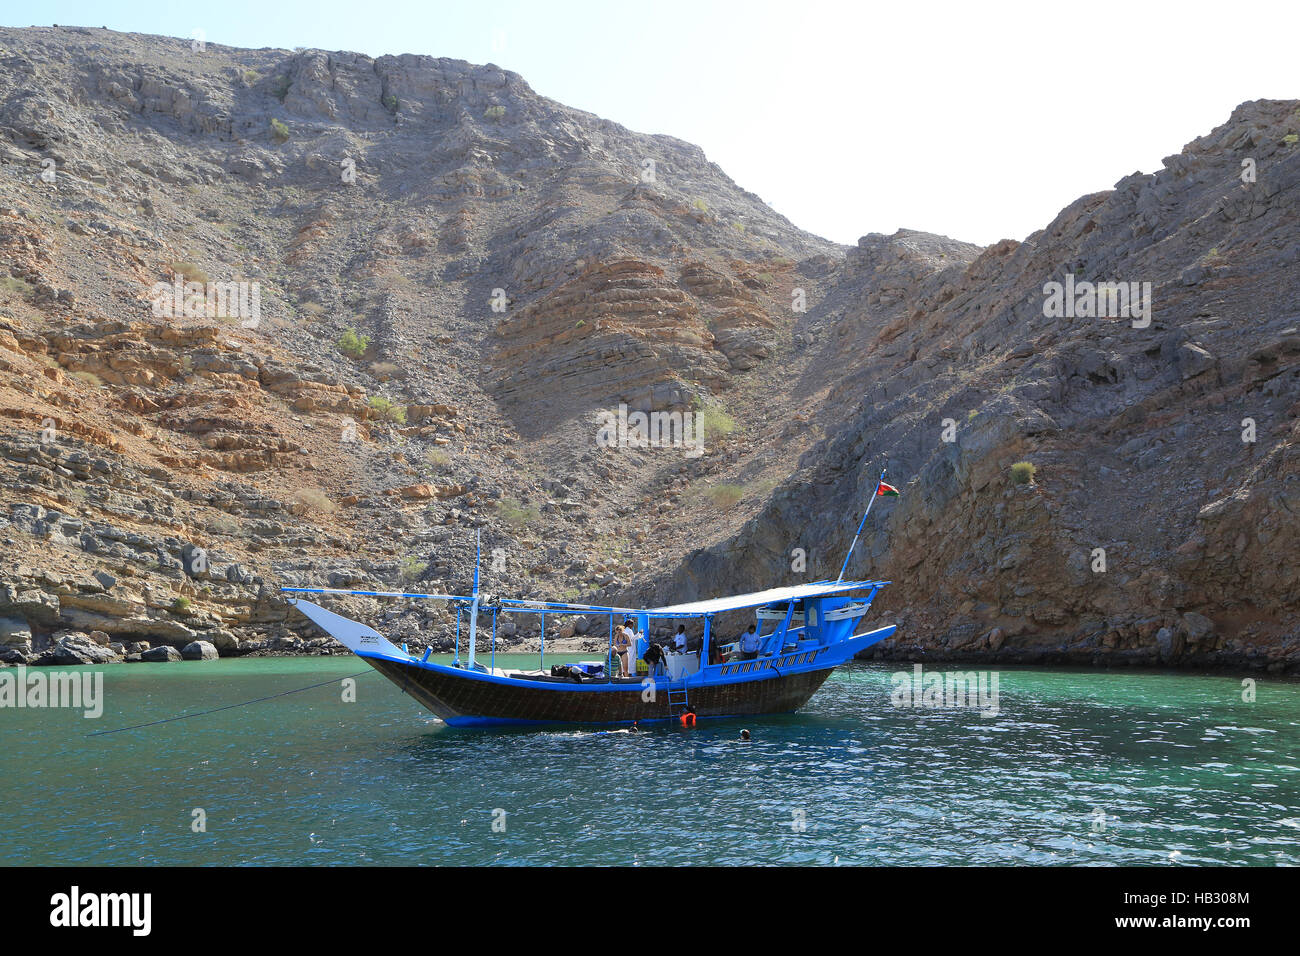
[387, 410]
[437, 458]
[16, 286]
[353, 345]
[181, 605]
[390, 103]
[494, 113]
[189, 272]
[517, 514]
[279, 131]
[223, 525]
[280, 88]
[311, 499]
[412, 568]
[712, 422]
[1022, 473]
[725, 497]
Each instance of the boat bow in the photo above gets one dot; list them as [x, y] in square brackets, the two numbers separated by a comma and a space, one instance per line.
[357, 637]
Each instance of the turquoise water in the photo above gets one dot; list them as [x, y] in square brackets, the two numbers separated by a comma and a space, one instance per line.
[1077, 768]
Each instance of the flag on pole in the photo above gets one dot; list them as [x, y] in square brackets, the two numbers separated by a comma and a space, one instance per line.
[886, 491]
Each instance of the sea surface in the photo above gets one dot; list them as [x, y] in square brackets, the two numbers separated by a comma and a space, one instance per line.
[1076, 768]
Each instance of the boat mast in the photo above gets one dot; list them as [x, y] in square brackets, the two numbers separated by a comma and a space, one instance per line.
[861, 524]
[473, 608]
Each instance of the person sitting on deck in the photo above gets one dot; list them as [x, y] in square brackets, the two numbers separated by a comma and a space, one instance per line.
[679, 639]
[622, 641]
[750, 642]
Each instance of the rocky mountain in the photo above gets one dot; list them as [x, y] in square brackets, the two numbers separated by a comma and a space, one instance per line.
[1157, 518]
[447, 280]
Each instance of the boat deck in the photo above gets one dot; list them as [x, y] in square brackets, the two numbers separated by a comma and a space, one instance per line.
[547, 677]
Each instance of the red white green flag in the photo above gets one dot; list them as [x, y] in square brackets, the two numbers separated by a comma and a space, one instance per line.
[886, 491]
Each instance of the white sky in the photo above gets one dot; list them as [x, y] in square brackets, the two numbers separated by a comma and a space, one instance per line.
[976, 120]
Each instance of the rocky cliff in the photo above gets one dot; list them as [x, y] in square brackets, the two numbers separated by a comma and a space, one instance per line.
[453, 277]
[1156, 519]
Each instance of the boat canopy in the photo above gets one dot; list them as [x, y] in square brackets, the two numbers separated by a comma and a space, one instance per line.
[704, 608]
[738, 602]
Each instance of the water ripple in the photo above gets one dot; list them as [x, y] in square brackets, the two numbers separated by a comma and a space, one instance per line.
[1075, 769]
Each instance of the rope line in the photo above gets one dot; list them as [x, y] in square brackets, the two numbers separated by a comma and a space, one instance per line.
[203, 713]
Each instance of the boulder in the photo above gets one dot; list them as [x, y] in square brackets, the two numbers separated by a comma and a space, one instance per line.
[413, 492]
[235, 574]
[77, 648]
[222, 639]
[13, 655]
[165, 653]
[1197, 626]
[1169, 642]
[39, 606]
[1193, 360]
[15, 632]
[194, 560]
[199, 651]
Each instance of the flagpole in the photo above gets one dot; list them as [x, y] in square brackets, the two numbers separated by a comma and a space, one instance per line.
[473, 608]
[861, 524]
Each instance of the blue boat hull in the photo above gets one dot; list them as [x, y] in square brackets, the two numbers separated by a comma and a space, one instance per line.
[463, 701]
[466, 698]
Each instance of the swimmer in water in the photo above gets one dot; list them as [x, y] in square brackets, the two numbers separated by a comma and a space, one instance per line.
[744, 735]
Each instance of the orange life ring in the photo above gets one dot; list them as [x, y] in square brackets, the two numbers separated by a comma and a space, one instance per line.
[688, 719]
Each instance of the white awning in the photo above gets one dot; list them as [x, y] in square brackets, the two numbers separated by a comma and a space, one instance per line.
[759, 598]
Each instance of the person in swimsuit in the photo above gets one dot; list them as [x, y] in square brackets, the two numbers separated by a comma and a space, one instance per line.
[622, 641]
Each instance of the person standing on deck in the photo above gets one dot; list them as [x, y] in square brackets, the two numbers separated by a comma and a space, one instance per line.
[715, 652]
[750, 642]
[622, 641]
[654, 658]
[679, 639]
[639, 646]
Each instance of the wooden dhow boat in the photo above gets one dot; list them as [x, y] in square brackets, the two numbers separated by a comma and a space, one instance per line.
[804, 632]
